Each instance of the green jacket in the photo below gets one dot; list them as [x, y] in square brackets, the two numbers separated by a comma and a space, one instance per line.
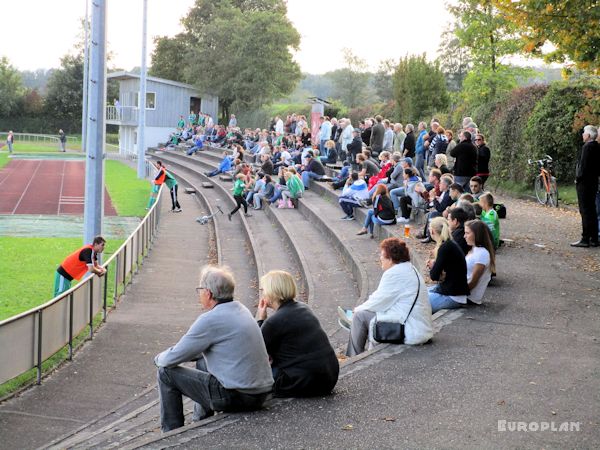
[170, 181]
[295, 185]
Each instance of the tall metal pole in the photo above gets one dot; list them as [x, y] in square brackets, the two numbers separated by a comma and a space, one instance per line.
[141, 135]
[94, 167]
[84, 109]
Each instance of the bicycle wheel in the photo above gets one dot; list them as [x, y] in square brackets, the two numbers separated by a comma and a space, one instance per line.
[553, 194]
[540, 190]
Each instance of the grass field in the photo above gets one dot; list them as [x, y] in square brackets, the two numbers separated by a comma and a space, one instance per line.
[128, 193]
[28, 264]
[3, 159]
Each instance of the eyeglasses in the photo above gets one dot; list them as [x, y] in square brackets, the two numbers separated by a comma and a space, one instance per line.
[199, 289]
[478, 139]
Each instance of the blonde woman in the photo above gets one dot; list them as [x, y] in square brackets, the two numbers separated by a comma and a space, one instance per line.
[302, 360]
[441, 163]
[452, 289]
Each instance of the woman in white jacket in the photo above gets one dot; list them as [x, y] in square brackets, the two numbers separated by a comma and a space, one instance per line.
[393, 299]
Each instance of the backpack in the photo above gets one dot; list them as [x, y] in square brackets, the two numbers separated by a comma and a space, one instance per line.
[500, 210]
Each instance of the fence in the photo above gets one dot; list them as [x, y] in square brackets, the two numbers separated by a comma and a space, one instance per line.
[30, 338]
[37, 138]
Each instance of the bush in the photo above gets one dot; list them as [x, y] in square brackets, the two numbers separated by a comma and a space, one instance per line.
[505, 136]
[554, 127]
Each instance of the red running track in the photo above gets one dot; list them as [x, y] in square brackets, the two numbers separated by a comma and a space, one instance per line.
[45, 187]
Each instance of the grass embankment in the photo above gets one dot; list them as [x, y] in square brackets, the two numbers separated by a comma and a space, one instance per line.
[3, 159]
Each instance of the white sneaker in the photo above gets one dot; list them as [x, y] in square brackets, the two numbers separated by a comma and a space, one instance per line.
[345, 316]
[402, 220]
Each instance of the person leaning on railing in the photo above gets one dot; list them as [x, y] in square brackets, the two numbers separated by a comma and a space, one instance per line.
[78, 263]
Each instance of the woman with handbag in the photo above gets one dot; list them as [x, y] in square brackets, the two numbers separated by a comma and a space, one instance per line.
[399, 308]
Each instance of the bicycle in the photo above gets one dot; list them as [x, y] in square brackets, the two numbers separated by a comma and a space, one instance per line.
[546, 189]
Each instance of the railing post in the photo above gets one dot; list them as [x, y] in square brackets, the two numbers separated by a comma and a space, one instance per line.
[39, 348]
[124, 267]
[116, 293]
[105, 293]
[92, 307]
[70, 326]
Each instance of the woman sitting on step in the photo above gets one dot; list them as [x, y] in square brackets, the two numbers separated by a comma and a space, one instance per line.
[448, 267]
[383, 212]
[400, 287]
[303, 362]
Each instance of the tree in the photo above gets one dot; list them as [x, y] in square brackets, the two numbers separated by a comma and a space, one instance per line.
[11, 88]
[239, 50]
[570, 25]
[382, 80]
[489, 38]
[65, 92]
[33, 103]
[166, 57]
[419, 88]
[350, 83]
[454, 59]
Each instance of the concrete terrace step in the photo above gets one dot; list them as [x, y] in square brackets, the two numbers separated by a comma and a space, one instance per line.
[269, 253]
[238, 249]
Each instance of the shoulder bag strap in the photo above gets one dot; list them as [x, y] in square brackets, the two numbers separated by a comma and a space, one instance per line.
[417, 296]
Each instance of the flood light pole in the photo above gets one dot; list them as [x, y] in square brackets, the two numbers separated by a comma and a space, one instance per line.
[94, 163]
[141, 136]
[84, 109]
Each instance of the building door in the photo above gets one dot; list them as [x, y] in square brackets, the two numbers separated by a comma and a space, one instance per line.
[195, 104]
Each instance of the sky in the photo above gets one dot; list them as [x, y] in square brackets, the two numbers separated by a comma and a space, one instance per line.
[373, 29]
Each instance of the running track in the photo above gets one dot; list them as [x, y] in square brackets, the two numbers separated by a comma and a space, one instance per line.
[45, 187]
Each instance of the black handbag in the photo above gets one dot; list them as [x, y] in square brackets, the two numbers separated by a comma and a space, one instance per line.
[393, 332]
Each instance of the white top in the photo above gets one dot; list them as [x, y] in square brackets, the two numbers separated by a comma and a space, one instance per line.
[394, 297]
[478, 255]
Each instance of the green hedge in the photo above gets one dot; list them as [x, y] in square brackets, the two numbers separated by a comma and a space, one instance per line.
[537, 120]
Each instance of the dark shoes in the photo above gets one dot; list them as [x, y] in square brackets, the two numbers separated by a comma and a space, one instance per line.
[583, 243]
[229, 216]
[361, 232]
[426, 240]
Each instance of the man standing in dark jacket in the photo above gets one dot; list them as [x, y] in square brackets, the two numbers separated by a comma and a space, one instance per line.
[409, 141]
[465, 165]
[354, 148]
[377, 136]
[483, 158]
[586, 183]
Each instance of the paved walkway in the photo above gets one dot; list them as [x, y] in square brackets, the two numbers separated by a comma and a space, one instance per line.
[118, 364]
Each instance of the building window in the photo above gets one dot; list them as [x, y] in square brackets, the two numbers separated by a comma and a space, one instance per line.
[150, 100]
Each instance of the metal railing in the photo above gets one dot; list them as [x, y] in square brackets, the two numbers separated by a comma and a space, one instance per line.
[30, 338]
[38, 138]
[122, 114]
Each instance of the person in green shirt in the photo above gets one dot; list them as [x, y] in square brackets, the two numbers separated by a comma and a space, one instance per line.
[294, 189]
[181, 123]
[171, 183]
[238, 194]
[489, 216]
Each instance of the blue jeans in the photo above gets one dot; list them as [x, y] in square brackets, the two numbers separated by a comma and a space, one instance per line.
[440, 301]
[307, 176]
[464, 182]
[598, 211]
[420, 164]
[395, 194]
[371, 220]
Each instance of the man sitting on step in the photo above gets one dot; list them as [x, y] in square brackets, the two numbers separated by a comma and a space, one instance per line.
[232, 366]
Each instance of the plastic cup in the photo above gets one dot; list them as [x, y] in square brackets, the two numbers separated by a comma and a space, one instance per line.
[406, 231]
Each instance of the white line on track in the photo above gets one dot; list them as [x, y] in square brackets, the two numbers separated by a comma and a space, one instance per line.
[12, 170]
[62, 182]
[27, 187]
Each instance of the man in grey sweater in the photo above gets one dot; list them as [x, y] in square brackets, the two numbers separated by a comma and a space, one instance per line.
[232, 366]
